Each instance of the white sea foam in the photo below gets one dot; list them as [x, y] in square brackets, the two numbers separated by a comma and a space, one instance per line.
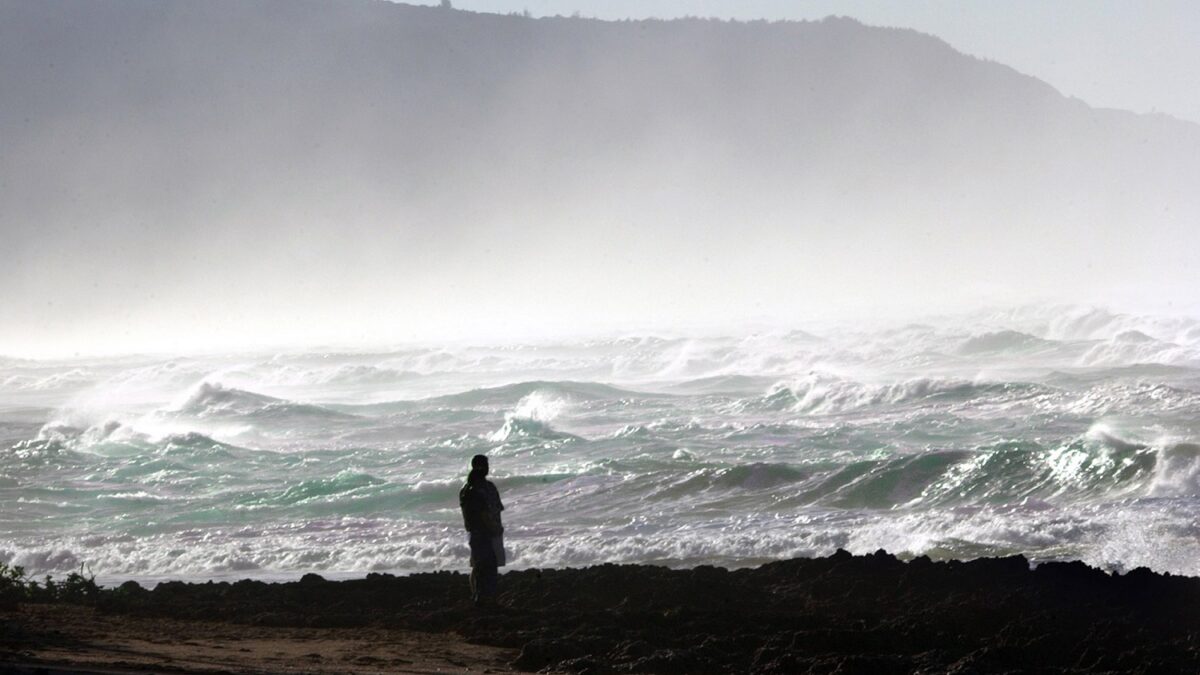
[539, 406]
[1177, 471]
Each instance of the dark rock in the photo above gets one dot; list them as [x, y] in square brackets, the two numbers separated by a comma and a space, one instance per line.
[540, 654]
[839, 614]
[669, 662]
[630, 650]
[583, 665]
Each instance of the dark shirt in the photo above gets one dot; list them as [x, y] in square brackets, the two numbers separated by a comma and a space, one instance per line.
[481, 507]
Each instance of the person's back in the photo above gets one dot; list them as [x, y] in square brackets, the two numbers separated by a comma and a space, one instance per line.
[481, 506]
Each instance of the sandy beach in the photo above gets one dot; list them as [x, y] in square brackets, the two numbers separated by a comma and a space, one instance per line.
[843, 614]
[67, 639]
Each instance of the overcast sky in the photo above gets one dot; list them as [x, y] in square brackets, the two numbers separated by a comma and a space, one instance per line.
[1136, 55]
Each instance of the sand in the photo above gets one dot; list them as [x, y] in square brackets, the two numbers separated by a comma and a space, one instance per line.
[65, 638]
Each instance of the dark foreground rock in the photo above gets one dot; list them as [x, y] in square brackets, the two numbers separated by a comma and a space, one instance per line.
[841, 614]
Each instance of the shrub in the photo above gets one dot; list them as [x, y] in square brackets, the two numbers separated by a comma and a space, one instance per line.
[77, 588]
[13, 588]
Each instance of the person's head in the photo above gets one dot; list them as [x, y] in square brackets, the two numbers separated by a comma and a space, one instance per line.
[480, 463]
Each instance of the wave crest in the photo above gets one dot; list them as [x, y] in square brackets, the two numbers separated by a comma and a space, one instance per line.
[211, 400]
[825, 394]
[1002, 341]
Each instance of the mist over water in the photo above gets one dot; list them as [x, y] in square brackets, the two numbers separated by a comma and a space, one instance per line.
[186, 176]
[1060, 433]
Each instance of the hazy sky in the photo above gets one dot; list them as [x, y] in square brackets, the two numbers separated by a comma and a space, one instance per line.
[194, 175]
[1140, 56]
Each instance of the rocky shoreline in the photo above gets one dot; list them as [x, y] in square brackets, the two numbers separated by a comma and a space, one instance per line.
[843, 614]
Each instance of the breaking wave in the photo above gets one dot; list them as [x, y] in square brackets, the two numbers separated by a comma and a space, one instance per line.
[820, 393]
[1003, 341]
[1061, 433]
[510, 394]
[210, 400]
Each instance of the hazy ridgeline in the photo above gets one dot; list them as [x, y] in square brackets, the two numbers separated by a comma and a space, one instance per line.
[372, 164]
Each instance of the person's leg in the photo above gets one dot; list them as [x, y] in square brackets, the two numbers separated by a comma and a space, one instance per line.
[490, 582]
[483, 568]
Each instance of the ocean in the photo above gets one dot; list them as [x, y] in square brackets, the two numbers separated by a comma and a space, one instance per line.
[1061, 433]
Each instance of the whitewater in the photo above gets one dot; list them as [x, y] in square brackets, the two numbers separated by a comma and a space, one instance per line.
[1062, 433]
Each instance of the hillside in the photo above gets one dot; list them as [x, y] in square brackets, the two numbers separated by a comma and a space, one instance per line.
[273, 144]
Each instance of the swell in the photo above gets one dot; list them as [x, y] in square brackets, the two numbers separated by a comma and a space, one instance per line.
[1095, 468]
[511, 394]
[819, 393]
[214, 401]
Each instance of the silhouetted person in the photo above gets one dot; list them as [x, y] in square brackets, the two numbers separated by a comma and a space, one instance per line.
[481, 507]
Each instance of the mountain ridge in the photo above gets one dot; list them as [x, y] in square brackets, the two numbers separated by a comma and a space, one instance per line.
[278, 143]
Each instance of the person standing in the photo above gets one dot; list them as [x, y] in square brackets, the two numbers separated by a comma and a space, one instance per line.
[481, 507]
